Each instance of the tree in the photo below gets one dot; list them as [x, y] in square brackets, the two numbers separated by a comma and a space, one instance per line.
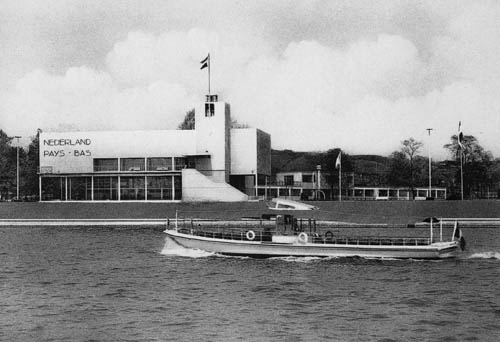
[32, 165]
[476, 164]
[405, 163]
[332, 173]
[7, 169]
[188, 122]
[397, 174]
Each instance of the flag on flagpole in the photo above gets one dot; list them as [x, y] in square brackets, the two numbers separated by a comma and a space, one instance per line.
[337, 163]
[205, 62]
[460, 138]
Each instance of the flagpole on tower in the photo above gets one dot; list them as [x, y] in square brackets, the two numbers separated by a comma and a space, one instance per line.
[461, 175]
[206, 64]
[461, 147]
[338, 165]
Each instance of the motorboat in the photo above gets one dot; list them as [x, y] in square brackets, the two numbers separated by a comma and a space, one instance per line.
[288, 236]
[286, 204]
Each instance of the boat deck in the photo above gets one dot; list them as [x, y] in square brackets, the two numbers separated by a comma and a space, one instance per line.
[266, 236]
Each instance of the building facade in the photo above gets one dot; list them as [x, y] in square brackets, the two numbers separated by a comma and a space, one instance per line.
[213, 162]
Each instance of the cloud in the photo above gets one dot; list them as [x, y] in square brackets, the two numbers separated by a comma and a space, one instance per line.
[363, 92]
[90, 100]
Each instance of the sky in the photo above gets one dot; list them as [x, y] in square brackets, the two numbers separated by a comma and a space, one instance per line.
[320, 74]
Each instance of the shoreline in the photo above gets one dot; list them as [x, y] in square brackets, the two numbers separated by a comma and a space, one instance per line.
[153, 214]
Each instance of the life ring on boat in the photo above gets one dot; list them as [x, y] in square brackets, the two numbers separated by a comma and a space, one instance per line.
[302, 237]
[250, 235]
[329, 235]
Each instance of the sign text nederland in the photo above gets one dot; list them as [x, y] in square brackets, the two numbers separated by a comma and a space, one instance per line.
[67, 142]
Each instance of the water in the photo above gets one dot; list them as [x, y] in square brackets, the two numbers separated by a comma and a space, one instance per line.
[80, 284]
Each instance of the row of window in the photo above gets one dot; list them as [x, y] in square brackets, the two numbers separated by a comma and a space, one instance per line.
[290, 180]
[111, 188]
[140, 164]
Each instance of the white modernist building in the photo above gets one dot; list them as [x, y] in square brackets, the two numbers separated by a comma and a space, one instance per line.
[213, 162]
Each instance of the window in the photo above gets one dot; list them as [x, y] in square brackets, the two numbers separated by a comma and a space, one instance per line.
[209, 109]
[178, 187]
[132, 188]
[288, 180]
[307, 178]
[79, 189]
[383, 192]
[403, 193]
[105, 188]
[180, 163]
[159, 164]
[132, 164]
[160, 188]
[52, 188]
[102, 165]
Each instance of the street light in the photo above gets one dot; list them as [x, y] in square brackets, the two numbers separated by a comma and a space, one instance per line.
[17, 169]
[430, 176]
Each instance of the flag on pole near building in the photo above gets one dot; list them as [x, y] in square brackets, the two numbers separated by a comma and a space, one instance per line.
[460, 138]
[205, 62]
[337, 163]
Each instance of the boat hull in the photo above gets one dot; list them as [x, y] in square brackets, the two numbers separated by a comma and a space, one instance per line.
[271, 249]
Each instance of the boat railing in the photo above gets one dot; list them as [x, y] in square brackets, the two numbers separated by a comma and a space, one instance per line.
[265, 235]
[371, 240]
[262, 231]
[229, 233]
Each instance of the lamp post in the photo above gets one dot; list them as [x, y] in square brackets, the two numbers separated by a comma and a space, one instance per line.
[17, 168]
[430, 176]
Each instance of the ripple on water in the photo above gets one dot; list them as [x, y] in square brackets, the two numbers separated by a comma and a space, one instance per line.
[113, 285]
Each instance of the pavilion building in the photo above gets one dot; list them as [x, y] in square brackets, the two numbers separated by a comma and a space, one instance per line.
[212, 162]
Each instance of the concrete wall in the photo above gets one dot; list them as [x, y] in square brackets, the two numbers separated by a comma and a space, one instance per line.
[196, 187]
[243, 151]
[263, 153]
[212, 137]
[73, 152]
[250, 151]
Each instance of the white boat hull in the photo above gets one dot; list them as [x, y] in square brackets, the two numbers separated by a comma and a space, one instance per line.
[436, 250]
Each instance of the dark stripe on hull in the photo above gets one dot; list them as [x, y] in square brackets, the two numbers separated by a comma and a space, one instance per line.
[267, 256]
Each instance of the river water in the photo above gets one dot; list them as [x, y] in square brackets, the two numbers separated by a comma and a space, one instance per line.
[90, 284]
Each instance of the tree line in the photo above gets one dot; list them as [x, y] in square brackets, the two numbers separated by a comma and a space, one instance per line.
[28, 168]
[467, 160]
[405, 167]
